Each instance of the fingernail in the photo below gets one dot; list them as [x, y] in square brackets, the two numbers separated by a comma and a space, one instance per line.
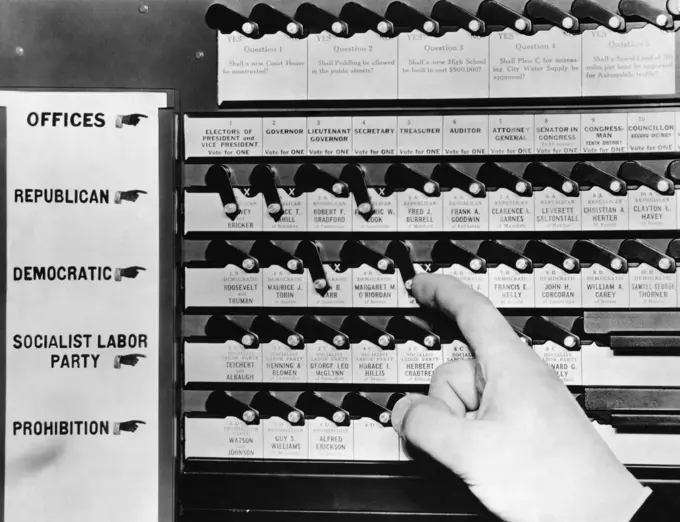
[399, 412]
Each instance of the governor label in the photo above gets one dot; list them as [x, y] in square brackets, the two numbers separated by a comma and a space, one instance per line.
[556, 288]
[373, 365]
[284, 136]
[466, 135]
[228, 438]
[649, 210]
[454, 65]
[374, 441]
[510, 212]
[639, 62]
[204, 212]
[373, 289]
[374, 136]
[456, 350]
[282, 288]
[651, 132]
[339, 293]
[417, 363]
[357, 68]
[544, 64]
[271, 68]
[329, 136]
[509, 288]
[604, 133]
[294, 218]
[327, 364]
[558, 133]
[419, 135]
[384, 218]
[418, 212]
[601, 210]
[221, 362]
[223, 137]
[556, 211]
[328, 441]
[228, 286]
[284, 441]
[464, 213]
[479, 282]
[281, 363]
[328, 213]
[603, 288]
[511, 134]
[567, 365]
[651, 288]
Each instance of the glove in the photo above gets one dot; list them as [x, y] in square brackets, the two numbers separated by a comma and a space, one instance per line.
[129, 119]
[130, 272]
[127, 360]
[508, 426]
[128, 195]
[130, 426]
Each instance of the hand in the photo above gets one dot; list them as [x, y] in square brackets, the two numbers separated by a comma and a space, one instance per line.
[129, 195]
[131, 272]
[132, 119]
[131, 359]
[508, 426]
[130, 426]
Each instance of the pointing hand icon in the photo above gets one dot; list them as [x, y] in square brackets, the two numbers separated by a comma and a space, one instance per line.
[127, 360]
[130, 426]
[129, 119]
[128, 195]
[130, 272]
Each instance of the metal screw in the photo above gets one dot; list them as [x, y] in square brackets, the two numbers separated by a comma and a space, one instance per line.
[293, 341]
[248, 416]
[338, 188]
[567, 23]
[292, 28]
[320, 284]
[19, 51]
[524, 340]
[248, 264]
[408, 284]
[429, 188]
[383, 264]
[365, 208]
[199, 55]
[292, 265]
[569, 264]
[520, 24]
[662, 20]
[475, 264]
[273, 208]
[339, 340]
[383, 27]
[230, 208]
[248, 27]
[294, 416]
[616, 264]
[615, 186]
[475, 188]
[664, 263]
[521, 187]
[339, 417]
[385, 417]
[429, 341]
[247, 340]
[474, 26]
[614, 22]
[143, 8]
[337, 27]
[567, 187]
[521, 264]
[663, 185]
[428, 26]
[569, 341]
[384, 340]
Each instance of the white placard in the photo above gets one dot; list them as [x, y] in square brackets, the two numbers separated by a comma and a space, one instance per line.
[604, 133]
[509, 288]
[339, 293]
[328, 441]
[90, 407]
[284, 136]
[228, 438]
[221, 362]
[651, 132]
[284, 441]
[228, 286]
[463, 212]
[556, 211]
[651, 288]
[329, 136]
[567, 364]
[328, 213]
[281, 288]
[603, 288]
[418, 212]
[294, 218]
[373, 289]
[384, 218]
[601, 210]
[511, 134]
[466, 135]
[420, 135]
[373, 364]
[328, 364]
[509, 211]
[204, 212]
[417, 362]
[649, 210]
[556, 288]
[374, 136]
[557, 133]
[479, 282]
[281, 363]
[374, 442]
[228, 137]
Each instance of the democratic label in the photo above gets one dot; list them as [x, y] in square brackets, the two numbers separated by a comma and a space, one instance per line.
[339, 293]
[294, 218]
[651, 132]
[466, 135]
[374, 136]
[464, 213]
[284, 441]
[281, 363]
[604, 133]
[454, 65]
[384, 218]
[638, 62]
[651, 288]
[228, 438]
[557, 133]
[602, 210]
[556, 211]
[204, 212]
[456, 350]
[271, 68]
[417, 362]
[221, 362]
[420, 135]
[510, 212]
[328, 441]
[329, 136]
[603, 288]
[478, 281]
[509, 288]
[649, 210]
[556, 288]
[373, 289]
[228, 286]
[567, 364]
[282, 288]
[511, 134]
[328, 213]
[361, 67]
[374, 441]
[328, 364]
[373, 364]
[544, 64]
[284, 136]
[418, 212]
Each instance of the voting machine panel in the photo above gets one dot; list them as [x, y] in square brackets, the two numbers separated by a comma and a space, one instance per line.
[256, 186]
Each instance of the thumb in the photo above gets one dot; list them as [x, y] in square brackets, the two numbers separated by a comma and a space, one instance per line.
[430, 426]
